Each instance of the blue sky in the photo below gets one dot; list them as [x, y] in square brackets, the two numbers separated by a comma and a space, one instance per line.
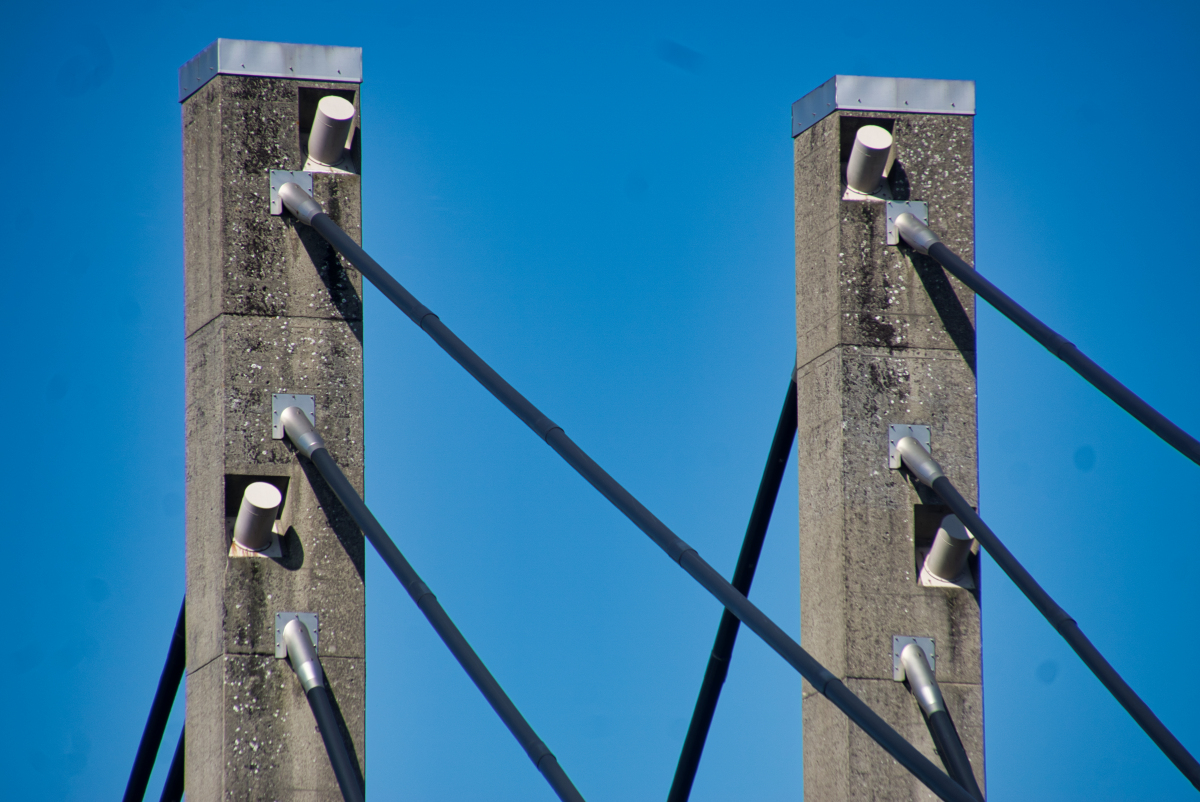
[599, 199]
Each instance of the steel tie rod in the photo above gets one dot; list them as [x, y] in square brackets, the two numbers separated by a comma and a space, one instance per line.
[302, 654]
[919, 675]
[160, 711]
[308, 211]
[923, 240]
[173, 786]
[927, 470]
[300, 429]
[743, 575]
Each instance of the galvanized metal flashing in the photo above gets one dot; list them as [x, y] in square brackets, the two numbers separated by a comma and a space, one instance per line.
[918, 209]
[281, 401]
[917, 431]
[310, 622]
[926, 645]
[304, 180]
[270, 60]
[866, 93]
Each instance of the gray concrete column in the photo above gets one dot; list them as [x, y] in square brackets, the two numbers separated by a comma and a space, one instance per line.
[268, 308]
[883, 336]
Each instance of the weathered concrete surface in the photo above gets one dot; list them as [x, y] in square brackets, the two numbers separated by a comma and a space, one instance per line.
[269, 308]
[883, 336]
[849, 765]
[239, 261]
[251, 715]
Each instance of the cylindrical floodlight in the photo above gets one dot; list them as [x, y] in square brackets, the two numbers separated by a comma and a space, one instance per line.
[868, 158]
[252, 530]
[951, 547]
[330, 129]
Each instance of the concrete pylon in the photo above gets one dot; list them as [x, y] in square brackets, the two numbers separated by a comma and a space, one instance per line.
[269, 309]
[884, 337]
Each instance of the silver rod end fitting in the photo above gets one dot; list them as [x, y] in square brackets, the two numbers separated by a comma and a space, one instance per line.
[299, 202]
[915, 233]
[300, 429]
[917, 460]
[302, 655]
[920, 679]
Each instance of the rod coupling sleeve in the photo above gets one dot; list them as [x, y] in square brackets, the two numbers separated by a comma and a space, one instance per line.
[303, 655]
[299, 202]
[920, 679]
[300, 429]
[914, 232]
[917, 460]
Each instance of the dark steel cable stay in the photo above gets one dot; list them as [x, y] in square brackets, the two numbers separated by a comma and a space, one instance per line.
[918, 673]
[302, 654]
[173, 787]
[923, 240]
[307, 210]
[743, 575]
[302, 434]
[925, 468]
[160, 711]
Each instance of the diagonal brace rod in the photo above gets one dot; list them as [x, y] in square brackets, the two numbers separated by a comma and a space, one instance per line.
[310, 444]
[743, 575]
[923, 240]
[927, 470]
[309, 211]
[302, 654]
[173, 786]
[160, 711]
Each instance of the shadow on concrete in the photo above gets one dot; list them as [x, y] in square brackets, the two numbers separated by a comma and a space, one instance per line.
[345, 734]
[899, 183]
[339, 519]
[292, 550]
[334, 276]
[949, 308]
